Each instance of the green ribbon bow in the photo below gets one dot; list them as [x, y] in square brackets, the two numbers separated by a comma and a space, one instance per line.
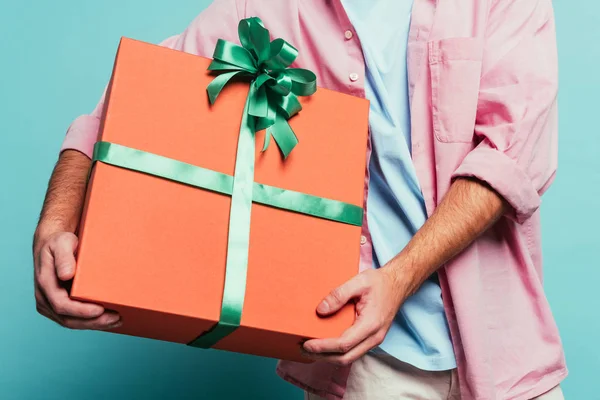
[273, 96]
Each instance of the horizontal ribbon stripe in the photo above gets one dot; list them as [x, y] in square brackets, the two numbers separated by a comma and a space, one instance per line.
[178, 171]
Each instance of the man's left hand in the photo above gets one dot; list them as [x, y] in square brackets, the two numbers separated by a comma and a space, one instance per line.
[378, 297]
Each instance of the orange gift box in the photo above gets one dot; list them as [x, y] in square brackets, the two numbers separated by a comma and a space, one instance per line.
[155, 250]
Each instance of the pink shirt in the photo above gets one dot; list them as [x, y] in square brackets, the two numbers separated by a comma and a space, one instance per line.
[483, 86]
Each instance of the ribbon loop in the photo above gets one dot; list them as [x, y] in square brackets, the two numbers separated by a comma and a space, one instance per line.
[304, 82]
[255, 38]
[282, 83]
[288, 105]
[235, 55]
[282, 55]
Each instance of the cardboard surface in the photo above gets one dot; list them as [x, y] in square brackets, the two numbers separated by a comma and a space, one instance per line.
[155, 250]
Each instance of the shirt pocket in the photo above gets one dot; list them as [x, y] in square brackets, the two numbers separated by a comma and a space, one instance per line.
[455, 72]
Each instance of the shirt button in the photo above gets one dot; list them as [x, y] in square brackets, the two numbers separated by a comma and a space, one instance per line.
[348, 34]
[363, 240]
[353, 77]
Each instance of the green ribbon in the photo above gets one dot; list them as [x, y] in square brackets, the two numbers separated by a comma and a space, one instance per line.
[272, 100]
[202, 178]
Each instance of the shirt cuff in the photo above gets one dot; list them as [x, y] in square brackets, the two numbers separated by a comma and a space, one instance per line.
[82, 135]
[505, 176]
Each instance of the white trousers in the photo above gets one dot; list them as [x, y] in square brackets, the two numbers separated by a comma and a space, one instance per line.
[383, 377]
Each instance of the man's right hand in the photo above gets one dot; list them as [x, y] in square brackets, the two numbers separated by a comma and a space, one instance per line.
[54, 260]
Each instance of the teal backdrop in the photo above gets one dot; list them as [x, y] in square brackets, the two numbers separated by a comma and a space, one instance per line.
[55, 59]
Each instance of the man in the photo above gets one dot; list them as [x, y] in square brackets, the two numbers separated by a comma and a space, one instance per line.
[463, 142]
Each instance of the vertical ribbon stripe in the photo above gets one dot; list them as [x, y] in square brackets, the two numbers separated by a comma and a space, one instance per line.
[239, 237]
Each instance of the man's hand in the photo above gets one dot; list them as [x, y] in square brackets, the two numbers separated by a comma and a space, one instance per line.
[378, 299]
[54, 248]
[468, 210]
[54, 261]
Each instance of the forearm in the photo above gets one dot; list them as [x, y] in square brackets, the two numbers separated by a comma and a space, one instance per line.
[66, 192]
[468, 210]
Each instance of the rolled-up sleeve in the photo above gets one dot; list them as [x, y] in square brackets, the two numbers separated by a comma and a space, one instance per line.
[217, 20]
[516, 122]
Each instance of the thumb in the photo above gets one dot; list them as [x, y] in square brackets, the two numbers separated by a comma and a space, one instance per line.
[340, 296]
[63, 251]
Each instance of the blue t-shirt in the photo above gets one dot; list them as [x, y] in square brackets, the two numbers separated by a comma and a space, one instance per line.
[395, 208]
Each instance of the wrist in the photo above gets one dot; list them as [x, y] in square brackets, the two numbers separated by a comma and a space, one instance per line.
[45, 229]
[404, 274]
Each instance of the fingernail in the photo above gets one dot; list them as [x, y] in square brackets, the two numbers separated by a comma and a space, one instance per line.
[114, 320]
[65, 273]
[98, 311]
[115, 325]
[304, 353]
[323, 307]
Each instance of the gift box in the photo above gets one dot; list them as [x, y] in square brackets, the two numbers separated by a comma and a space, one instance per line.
[165, 239]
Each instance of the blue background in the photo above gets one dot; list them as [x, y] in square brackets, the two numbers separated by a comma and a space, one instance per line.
[55, 59]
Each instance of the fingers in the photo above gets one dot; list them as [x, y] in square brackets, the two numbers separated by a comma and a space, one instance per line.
[57, 296]
[63, 250]
[375, 311]
[354, 354]
[108, 320]
[63, 305]
[55, 263]
[342, 295]
[352, 337]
